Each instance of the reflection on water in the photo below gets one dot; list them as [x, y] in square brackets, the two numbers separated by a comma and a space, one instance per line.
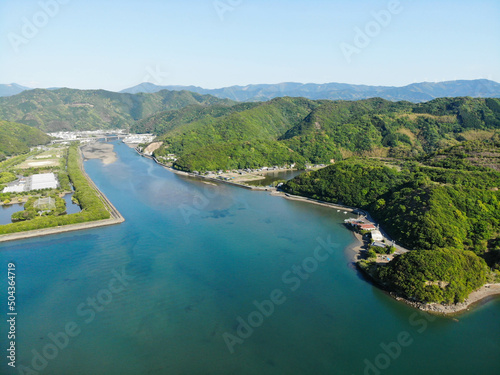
[71, 208]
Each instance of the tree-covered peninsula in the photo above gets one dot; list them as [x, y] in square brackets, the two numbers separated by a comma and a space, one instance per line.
[445, 205]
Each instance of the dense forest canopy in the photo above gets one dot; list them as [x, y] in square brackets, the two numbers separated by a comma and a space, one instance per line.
[302, 131]
[70, 110]
[420, 205]
[444, 205]
[443, 276]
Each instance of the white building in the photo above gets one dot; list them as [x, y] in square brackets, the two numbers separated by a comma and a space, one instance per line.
[43, 181]
[377, 236]
[14, 189]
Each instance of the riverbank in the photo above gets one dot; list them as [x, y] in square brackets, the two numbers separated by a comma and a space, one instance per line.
[480, 296]
[58, 230]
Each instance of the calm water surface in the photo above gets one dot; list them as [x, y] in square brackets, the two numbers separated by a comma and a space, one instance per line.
[7, 211]
[71, 208]
[192, 259]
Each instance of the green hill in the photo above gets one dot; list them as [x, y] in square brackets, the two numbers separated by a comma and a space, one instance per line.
[420, 206]
[245, 135]
[445, 205]
[67, 109]
[18, 138]
[317, 131]
[166, 121]
[442, 276]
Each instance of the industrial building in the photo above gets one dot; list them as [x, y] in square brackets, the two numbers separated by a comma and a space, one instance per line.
[35, 182]
[43, 181]
[15, 188]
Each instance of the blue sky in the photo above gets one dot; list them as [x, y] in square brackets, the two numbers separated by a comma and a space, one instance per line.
[114, 44]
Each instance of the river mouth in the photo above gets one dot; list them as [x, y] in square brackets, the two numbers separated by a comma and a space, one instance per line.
[173, 289]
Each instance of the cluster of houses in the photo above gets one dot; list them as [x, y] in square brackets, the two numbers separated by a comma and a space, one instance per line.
[139, 138]
[256, 170]
[85, 134]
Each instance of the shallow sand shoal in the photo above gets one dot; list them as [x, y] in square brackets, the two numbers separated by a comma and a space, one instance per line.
[103, 151]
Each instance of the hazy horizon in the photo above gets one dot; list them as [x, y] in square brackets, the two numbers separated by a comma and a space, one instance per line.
[241, 85]
[213, 44]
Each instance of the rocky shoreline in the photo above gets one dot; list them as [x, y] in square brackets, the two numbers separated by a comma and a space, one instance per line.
[482, 295]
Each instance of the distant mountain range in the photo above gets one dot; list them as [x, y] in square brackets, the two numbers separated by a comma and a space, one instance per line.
[416, 92]
[12, 89]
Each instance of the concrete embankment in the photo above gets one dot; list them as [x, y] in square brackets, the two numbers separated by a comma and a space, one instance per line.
[115, 214]
[58, 230]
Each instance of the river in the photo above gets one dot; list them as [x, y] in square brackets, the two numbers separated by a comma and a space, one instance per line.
[205, 279]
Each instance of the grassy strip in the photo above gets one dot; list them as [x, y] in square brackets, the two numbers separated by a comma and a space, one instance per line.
[93, 208]
[6, 164]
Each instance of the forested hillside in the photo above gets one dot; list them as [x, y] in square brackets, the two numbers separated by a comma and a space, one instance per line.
[67, 109]
[419, 205]
[301, 131]
[18, 138]
[445, 206]
[443, 276]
